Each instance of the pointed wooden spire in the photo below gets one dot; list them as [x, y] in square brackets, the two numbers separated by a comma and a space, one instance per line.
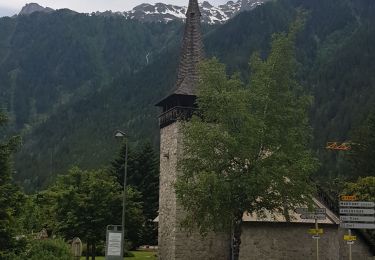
[191, 53]
[181, 102]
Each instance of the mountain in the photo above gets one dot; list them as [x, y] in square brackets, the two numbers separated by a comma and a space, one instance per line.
[160, 12]
[69, 80]
[210, 14]
[33, 7]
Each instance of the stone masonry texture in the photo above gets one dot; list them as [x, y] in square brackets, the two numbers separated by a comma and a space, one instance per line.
[174, 242]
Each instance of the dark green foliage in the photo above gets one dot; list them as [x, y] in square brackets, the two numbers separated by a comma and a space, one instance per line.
[69, 80]
[85, 202]
[11, 198]
[143, 176]
[363, 149]
[49, 249]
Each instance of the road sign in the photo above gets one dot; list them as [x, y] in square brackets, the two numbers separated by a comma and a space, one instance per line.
[350, 242]
[357, 218]
[358, 225]
[357, 204]
[313, 216]
[316, 237]
[348, 197]
[315, 231]
[357, 211]
[312, 211]
[350, 238]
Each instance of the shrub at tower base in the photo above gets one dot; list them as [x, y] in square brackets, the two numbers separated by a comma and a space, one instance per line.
[246, 149]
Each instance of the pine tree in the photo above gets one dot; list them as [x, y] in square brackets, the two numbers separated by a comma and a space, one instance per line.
[143, 176]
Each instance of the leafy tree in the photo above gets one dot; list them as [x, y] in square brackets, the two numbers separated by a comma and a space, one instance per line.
[10, 196]
[143, 175]
[246, 151]
[87, 201]
[363, 153]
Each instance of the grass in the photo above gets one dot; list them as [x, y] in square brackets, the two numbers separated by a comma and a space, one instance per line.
[138, 255]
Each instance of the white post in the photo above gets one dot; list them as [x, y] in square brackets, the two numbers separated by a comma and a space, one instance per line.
[350, 245]
[317, 240]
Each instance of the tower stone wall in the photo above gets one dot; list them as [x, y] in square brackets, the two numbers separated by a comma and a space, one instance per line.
[174, 242]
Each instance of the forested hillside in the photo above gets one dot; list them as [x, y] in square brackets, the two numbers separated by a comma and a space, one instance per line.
[69, 80]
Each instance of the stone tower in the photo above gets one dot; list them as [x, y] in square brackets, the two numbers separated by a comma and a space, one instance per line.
[175, 243]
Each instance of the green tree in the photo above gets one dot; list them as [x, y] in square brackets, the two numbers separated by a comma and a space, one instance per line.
[362, 154]
[11, 197]
[247, 149]
[143, 175]
[87, 201]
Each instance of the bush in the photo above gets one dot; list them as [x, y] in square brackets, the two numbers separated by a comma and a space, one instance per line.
[50, 249]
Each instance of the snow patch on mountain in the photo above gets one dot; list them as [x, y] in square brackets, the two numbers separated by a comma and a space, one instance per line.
[210, 14]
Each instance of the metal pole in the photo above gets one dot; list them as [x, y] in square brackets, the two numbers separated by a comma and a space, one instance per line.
[317, 240]
[124, 190]
[350, 245]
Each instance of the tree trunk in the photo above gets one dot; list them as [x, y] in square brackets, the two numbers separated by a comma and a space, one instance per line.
[236, 238]
[93, 251]
[87, 251]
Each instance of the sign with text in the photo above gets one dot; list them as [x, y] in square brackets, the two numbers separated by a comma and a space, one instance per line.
[357, 219]
[312, 211]
[114, 243]
[313, 216]
[315, 231]
[357, 214]
[355, 211]
[357, 204]
[358, 225]
[348, 197]
[350, 238]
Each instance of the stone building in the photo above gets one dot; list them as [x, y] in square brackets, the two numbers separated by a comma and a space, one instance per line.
[270, 238]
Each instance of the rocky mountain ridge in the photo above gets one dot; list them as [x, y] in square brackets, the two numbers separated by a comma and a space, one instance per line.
[161, 12]
[34, 7]
[211, 14]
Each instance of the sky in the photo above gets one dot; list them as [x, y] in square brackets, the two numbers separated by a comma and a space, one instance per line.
[10, 7]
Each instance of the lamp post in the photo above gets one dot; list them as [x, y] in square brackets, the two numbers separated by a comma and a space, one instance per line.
[122, 135]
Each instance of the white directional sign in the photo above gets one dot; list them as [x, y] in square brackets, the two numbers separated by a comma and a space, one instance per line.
[312, 211]
[357, 204]
[313, 216]
[357, 211]
[357, 214]
[357, 218]
[358, 225]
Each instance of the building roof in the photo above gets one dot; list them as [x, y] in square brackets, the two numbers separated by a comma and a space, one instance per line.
[294, 217]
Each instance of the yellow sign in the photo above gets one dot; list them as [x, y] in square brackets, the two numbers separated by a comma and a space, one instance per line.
[350, 238]
[348, 198]
[316, 231]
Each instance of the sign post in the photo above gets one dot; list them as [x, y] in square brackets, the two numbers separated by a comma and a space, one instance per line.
[114, 243]
[355, 215]
[316, 214]
[317, 240]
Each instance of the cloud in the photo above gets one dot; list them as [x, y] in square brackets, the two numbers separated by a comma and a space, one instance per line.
[5, 11]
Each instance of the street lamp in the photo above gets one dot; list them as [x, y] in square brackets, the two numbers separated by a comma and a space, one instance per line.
[122, 135]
